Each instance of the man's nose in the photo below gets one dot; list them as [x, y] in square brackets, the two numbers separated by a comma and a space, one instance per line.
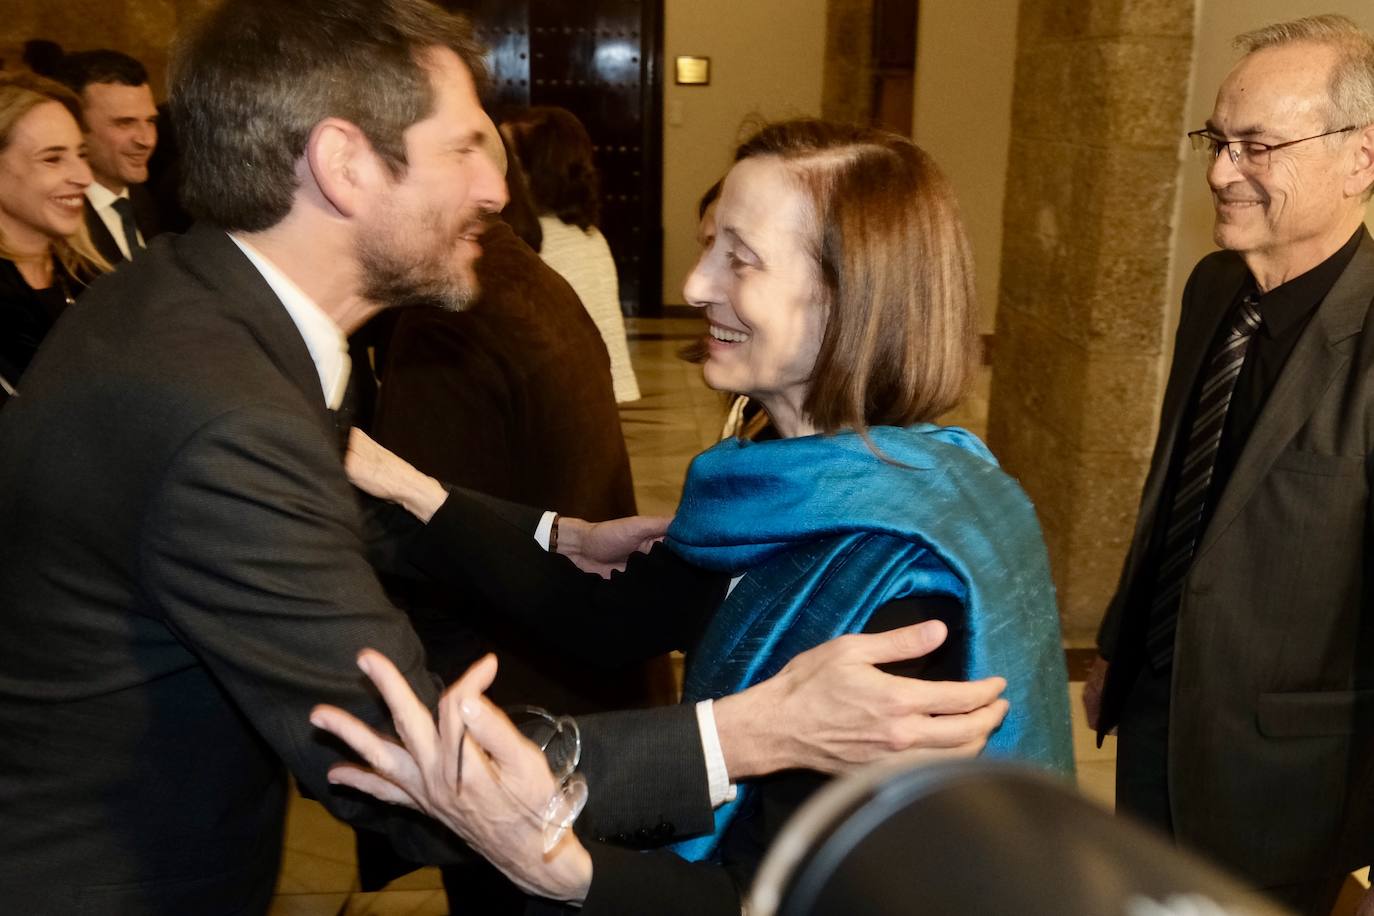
[1223, 170]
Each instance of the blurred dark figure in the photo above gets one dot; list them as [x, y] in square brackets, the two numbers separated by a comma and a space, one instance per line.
[980, 837]
[42, 56]
[511, 397]
[164, 177]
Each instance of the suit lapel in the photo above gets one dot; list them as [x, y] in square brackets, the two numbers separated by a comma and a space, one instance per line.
[1323, 350]
[145, 212]
[209, 254]
[1204, 306]
[101, 238]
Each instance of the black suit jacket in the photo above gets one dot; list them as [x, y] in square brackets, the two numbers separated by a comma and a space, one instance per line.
[183, 575]
[1271, 743]
[145, 217]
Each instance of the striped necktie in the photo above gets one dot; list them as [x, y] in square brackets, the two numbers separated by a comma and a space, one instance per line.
[1195, 481]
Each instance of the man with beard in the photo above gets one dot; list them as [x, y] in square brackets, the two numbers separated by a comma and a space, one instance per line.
[121, 134]
[183, 569]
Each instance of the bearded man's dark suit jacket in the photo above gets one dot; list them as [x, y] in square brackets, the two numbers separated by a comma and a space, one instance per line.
[1271, 730]
[145, 218]
[182, 576]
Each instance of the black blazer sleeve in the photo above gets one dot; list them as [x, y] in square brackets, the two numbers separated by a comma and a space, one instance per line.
[646, 776]
[657, 604]
[627, 882]
[645, 768]
[278, 618]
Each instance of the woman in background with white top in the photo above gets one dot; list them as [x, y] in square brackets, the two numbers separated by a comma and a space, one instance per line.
[556, 152]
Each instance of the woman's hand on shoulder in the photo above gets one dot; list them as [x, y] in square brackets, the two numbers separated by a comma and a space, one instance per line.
[385, 475]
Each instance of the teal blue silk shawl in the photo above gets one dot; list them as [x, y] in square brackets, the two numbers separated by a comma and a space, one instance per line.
[828, 532]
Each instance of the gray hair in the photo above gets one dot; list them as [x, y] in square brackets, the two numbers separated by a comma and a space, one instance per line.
[1352, 76]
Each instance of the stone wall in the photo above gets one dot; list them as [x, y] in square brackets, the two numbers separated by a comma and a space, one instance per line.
[140, 28]
[1100, 92]
[847, 87]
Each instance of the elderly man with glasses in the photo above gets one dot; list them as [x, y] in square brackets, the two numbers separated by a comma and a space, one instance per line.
[1238, 654]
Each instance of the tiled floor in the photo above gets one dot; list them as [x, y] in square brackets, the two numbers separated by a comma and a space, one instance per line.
[676, 418]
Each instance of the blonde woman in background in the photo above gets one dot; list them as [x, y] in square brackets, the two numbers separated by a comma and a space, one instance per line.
[46, 257]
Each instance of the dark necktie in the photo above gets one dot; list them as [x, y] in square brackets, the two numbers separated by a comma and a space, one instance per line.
[1195, 481]
[125, 208]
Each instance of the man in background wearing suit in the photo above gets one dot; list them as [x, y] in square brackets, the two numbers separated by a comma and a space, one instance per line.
[183, 569]
[121, 134]
[1238, 653]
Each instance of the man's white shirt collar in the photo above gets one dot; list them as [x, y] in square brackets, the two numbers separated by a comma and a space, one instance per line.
[102, 197]
[102, 200]
[327, 344]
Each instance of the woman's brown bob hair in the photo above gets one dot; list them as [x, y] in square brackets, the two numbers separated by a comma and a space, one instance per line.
[895, 270]
[559, 160]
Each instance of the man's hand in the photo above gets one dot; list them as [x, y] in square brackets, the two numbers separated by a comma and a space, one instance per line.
[388, 476]
[1092, 693]
[830, 708]
[484, 788]
[602, 547]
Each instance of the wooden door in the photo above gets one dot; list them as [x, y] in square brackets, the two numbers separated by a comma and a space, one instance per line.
[601, 60]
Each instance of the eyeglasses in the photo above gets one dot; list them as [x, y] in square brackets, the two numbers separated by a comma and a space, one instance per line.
[1249, 156]
[558, 737]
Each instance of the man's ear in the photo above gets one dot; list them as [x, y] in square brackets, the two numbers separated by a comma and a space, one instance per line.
[342, 164]
[1361, 175]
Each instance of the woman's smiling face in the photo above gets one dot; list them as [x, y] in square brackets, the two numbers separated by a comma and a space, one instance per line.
[43, 174]
[758, 282]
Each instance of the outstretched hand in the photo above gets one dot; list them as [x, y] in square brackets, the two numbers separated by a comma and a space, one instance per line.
[482, 787]
[831, 708]
[604, 547]
[386, 475]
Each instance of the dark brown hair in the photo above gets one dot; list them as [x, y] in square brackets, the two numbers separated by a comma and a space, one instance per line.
[519, 211]
[252, 79]
[557, 154]
[895, 269]
[103, 65]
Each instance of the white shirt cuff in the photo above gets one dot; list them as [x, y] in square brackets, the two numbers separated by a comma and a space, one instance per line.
[717, 779]
[544, 529]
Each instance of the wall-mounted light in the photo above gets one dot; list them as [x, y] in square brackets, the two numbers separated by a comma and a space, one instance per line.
[693, 71]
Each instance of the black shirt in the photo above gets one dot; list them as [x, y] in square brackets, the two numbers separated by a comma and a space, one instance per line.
[27, 314]
[1284, 312]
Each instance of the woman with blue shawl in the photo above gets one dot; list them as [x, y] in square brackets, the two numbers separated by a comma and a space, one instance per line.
[837, 289]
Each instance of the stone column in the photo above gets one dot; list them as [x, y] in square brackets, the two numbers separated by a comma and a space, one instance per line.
[1081, 344]
[847, 81]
